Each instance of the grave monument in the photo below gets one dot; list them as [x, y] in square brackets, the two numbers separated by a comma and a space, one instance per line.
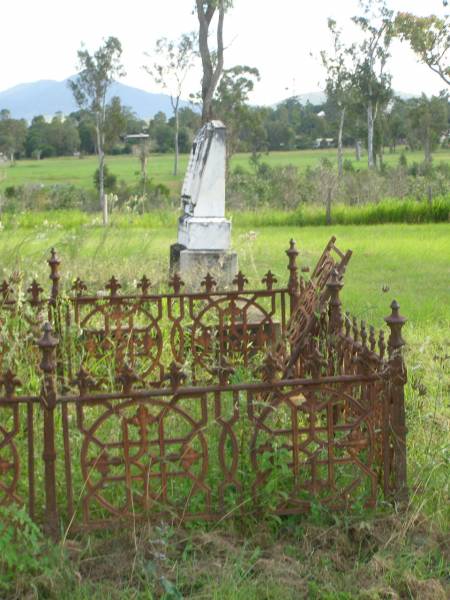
[204, 234]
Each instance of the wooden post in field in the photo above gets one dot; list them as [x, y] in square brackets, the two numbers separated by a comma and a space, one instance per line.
[105, 209]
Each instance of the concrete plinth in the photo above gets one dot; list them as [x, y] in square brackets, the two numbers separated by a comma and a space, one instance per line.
[198, 233]
[193, 265]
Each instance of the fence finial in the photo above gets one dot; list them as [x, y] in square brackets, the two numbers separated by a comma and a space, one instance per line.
[240, 280]
[292, 254]
[53, 263]
[209, 283]
[47, 342]
[334, 286]
[395, 323]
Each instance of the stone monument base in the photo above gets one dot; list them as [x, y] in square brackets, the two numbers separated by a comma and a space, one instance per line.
[198, 233]
[193, 265]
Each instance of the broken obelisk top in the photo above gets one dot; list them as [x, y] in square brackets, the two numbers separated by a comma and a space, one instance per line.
[204, 234]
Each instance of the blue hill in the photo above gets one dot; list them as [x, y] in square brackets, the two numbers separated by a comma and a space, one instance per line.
[47, 97]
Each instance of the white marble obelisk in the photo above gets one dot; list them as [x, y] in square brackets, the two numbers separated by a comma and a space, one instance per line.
[204, 234]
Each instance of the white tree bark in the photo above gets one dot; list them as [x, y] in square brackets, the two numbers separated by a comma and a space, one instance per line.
[177, 128]
[105, 210]
[370, 127]
[340, 145]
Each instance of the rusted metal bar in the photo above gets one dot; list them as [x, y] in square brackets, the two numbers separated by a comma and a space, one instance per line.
[293, 282]
[31, 460]
[334, 286]
[397, 377]
[47, 344]
[53, 263]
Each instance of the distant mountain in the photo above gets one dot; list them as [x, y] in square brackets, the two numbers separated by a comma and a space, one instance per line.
[47, 97]
[312, 97]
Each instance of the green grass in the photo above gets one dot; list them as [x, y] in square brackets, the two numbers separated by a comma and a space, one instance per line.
[79, 172]
[412, 260]
[318, 557]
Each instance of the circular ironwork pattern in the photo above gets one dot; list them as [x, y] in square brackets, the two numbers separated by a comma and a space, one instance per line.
[143, 456]
[314, 449]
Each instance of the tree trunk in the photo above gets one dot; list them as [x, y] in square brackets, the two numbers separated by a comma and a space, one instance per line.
[101, 167]
[143, 159]
[340, 147]
[211, 74]
[358, 150]
[328, 214]
[177, 127]
[370, 123]
[430, 194]
[427, 148]
[105, 210]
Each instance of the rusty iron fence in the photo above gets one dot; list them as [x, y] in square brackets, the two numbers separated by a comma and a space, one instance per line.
[318, 415]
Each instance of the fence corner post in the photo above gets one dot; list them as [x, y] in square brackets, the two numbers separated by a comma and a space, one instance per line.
[334, 286]
[53, 263]
[47, 345]
[293, 282]
[397, 377]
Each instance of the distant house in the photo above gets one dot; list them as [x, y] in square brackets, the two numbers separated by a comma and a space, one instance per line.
[135, 140]
[136, 137]
[323, 143]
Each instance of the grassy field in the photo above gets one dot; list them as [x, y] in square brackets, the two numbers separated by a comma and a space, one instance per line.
[324, 556]
[412, 260]
[79, 172]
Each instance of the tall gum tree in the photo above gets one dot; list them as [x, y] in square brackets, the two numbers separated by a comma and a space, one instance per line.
[212, 60]
[429, 38]
[371, 56]
[174, 60]
[339, 82]
[97, 72]
[231, 104]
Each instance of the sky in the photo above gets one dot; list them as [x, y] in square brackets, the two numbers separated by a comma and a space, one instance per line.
[282, 38]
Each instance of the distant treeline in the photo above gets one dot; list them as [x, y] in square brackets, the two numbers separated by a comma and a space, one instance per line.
[418, 123]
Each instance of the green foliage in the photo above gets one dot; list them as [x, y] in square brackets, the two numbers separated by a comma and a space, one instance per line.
[428, 119]
[230, 105]
[109, 182]
[23, 548]
[429, 37]
[97, 72]
[13, 133]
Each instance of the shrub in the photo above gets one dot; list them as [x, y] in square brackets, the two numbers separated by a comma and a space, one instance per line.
[109, 180]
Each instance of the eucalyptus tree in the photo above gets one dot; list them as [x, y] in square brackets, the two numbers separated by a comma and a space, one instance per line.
[231, 104]
[371, 56]
[212, 59]
[97, 72]
[174, 60]
[339, 82]
[429, 38]
[428, 119]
